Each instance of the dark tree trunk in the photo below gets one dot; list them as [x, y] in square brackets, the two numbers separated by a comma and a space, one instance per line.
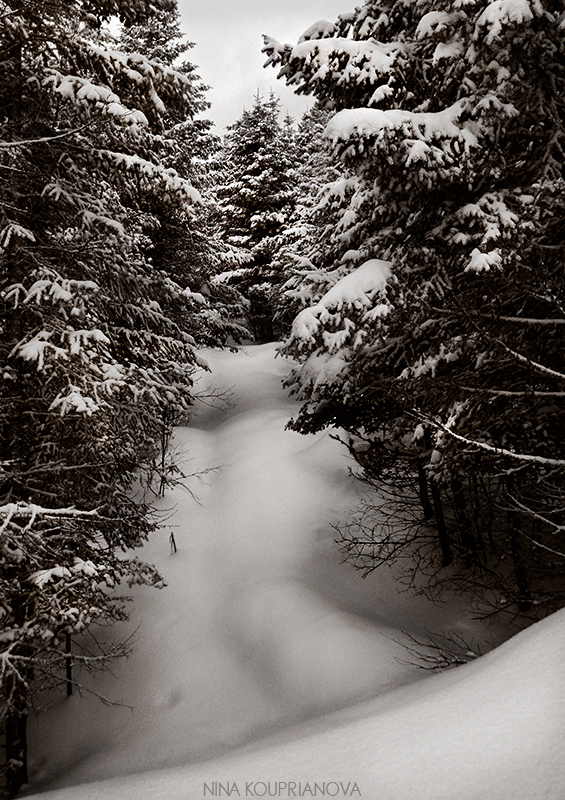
[445, 544]
[468, 541]
[68, 664]
[16, 745]
[423, 492]
[524, 594]
[512, 517]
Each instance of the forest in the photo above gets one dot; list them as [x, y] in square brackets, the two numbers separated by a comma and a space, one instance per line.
[402, 243]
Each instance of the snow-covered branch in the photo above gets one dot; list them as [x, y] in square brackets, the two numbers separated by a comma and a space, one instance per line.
[25, 510]
[499, 451]
[539, 367]
[44, 139]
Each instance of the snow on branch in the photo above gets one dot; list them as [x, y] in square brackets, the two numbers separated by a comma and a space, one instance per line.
[419, 126]
[436, 21]
[357, 288]
[10, 512]
[368, 60]
[323, 29]
[502, 14]
[275, 51]
[43, 139]
[14, 232]
[84, 92]
[533, 321]
[139, 69]
[534, 364]
[499, 451]
[536, 515]
[168, 179]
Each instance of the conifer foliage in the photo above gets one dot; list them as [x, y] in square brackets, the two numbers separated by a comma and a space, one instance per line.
[434, 309]
[314, 167]
[255, 198]
[180, 239]
[96, 352]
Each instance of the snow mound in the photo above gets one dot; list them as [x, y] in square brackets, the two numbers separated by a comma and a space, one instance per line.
[492, 729]
[240, 644]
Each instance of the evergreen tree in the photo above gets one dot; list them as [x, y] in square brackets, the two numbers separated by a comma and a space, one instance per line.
[182, 243]
[96, 355]
[255, 198]
[434, 331]
[295, 250]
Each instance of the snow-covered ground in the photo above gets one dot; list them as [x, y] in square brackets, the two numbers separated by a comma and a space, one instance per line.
[266, 662]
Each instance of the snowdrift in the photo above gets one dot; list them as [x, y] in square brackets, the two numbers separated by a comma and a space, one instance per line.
[245, 641]
[493, 729]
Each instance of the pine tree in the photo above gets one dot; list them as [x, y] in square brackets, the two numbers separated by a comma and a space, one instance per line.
[95, 351]
[435, 330]
[182, 244]
[295, 247]
[255, 198]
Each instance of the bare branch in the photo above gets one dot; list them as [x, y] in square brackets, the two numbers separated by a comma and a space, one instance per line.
[535, 515]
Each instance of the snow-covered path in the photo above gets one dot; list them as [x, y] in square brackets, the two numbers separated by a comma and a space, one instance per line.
[261, 627]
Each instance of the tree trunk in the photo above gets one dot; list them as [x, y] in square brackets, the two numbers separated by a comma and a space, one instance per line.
[68, 664]
[468, 541]
[445, 544]
[423, 491]
[524, 594]
[16, 745]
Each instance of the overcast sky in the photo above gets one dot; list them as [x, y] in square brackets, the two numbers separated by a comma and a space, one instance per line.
[228, 48]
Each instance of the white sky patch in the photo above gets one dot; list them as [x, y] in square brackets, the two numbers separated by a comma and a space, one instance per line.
[228, 37]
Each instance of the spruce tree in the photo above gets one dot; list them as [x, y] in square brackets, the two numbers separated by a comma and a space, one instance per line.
[295, 246]
[95, 347]
[434, 333]
[255, 198]
[182, 243]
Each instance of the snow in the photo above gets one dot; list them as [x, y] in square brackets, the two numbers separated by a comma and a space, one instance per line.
[268, 660]
[364, 122]
[435, 21]
[501, 14]
[427, 365]
[452, 49]
[169, 178]
[34, 349]
[75, 88]
[358, 287]
[43, 576]
[319, 30]
[369, 60]
[17, 231]
[483, 262]
[79, 339]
